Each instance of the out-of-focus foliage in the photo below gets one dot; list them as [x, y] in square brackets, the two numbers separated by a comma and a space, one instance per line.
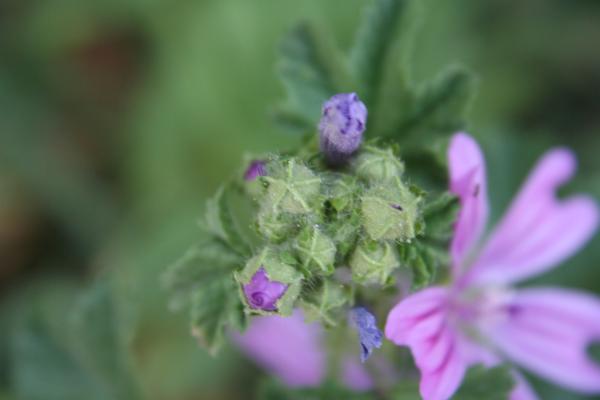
[118, 118]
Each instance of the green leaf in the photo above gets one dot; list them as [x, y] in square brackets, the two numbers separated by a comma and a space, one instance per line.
[44, 369]
[220, 221]
[208, 260]
[374, 46]
[95, 339]
[490, 384]
[273, 390]
[439, 215]
[423, 260]
[204, 278]
[322, 303]
[67, 345]
[312, 70]
[440, 106]
[215, 305]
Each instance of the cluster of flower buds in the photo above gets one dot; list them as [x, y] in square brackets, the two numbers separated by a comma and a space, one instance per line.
[352, 210]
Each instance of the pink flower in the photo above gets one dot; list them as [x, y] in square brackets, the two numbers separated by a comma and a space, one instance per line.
[295, 352]
[478, 318]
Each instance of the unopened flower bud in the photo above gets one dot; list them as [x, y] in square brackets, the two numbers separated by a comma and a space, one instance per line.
[293, 188]
[369, 334]
[390, 212]
[315, 250]
[254, 170]
[342, 124]
[262, 293]
[373, 263]
[268, 285]
[375, 164]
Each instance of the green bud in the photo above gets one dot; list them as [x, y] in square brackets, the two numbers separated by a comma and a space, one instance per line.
[292, 188]
[315, 250]
[342, 193]
[380, 165]
[373, 263]
[390, 212]
[276, 227]
[277, 273]
[344, 231]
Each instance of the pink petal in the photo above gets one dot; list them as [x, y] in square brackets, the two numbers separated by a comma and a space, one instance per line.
[287, 347]
[522, 390]
[538, 231]
[548, 331]
[421, 323]
[468, 182]
[355, 376]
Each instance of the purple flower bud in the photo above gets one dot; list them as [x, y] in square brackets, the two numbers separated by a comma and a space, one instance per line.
[255, 169]
[343, 122]
[370, 336]
[262, 293]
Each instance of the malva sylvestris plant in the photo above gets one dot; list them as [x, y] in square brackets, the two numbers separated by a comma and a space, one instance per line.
[479, 318]
[325, 264]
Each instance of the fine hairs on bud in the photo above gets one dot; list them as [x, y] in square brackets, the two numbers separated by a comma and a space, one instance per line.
[343, 121]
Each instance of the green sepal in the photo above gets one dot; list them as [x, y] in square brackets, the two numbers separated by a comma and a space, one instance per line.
[292, 188]
[342, 192]
[324, 303]
[373, 263]
[389, 212]
[344, 231]
[277, 227]
[276, 269]
[377, 165]
[315, 251]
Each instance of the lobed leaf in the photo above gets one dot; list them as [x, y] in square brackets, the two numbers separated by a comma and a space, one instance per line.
[215, 306]
[312, 70]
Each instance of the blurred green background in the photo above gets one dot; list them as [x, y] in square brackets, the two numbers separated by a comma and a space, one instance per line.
[118, 118]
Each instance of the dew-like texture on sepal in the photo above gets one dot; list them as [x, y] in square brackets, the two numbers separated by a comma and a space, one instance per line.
[342, 192]
[389, 212]
[325, 302]
[343, 121]
[292, 188]
[376, 164]
[373, 262]
[276, 227]
[345, 231]
[273, 270]
[315, 251]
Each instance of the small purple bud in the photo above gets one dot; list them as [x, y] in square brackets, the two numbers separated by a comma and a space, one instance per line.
[255, 169]
[370, 336]
[342, 124]
[262, 293]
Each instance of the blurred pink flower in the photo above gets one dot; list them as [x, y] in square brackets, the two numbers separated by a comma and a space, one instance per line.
[294, 351]
[478, 318]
